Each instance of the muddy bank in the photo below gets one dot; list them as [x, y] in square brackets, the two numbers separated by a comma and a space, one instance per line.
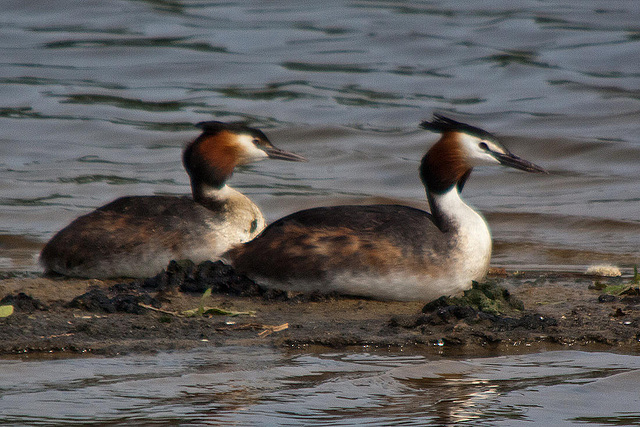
[512, 312]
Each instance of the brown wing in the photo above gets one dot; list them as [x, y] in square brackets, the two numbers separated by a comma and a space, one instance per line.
[319, 241]
[127, 227]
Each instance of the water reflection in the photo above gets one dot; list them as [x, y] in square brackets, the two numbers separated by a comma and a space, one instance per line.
[261, 386]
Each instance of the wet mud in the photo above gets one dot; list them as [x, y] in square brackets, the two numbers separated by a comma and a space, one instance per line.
[510, 312]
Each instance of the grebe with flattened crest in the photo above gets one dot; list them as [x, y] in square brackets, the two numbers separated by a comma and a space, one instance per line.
[137, 236]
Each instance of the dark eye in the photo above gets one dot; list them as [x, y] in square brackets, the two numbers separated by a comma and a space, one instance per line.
[256, 141]
[483, 145]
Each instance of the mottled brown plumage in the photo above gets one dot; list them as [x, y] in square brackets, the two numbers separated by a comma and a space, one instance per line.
[313, 243]
[388, 251]
[137, 236]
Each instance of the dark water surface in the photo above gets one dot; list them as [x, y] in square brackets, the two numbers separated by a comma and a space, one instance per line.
[97, 99]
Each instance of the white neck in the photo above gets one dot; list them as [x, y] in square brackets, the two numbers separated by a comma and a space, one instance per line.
[467, 228]
[450, 211]
[218, 195]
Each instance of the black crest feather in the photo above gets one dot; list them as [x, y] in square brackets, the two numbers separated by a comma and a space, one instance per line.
[443, 124]
[213, 127]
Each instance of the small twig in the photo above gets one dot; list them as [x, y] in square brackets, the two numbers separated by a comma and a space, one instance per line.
[159, 310]
[58, 335]
[268, 330]
[240, 327]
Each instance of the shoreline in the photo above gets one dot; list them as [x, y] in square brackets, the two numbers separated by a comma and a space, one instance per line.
[65, 317]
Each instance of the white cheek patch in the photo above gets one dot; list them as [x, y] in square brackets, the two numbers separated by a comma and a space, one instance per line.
[477, 156]
[248, 151]
[494, 147]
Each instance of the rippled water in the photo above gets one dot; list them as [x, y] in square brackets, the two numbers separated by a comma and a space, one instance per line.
[257, 386]
[97, 99]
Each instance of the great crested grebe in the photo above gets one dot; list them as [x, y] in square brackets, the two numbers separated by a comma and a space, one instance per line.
[137, 236]
[389, 252]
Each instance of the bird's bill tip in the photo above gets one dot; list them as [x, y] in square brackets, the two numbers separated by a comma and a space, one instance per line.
[511, 160]
[276, 153]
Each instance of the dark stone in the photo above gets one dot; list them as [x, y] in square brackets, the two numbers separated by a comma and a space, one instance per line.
[221, 278]
[607, 298]
[173, 277]
[94, 300]
[435, 304]
[130, 303]
[23, 302]
[97, 300]
[217, 276]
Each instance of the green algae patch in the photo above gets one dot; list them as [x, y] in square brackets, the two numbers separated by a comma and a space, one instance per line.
[487, 297]
[6, 310]
[630, 288]
[624, 289]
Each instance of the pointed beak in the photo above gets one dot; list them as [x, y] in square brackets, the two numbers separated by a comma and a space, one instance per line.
[511, 160]
[276, 153]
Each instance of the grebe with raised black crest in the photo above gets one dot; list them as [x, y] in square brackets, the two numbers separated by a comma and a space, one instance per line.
[390, 252]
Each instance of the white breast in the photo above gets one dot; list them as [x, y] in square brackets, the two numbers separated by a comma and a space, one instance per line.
[239, 220]
[472, 251]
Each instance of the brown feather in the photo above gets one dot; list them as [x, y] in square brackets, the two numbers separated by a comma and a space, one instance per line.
[220, 150]
[444, 165]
